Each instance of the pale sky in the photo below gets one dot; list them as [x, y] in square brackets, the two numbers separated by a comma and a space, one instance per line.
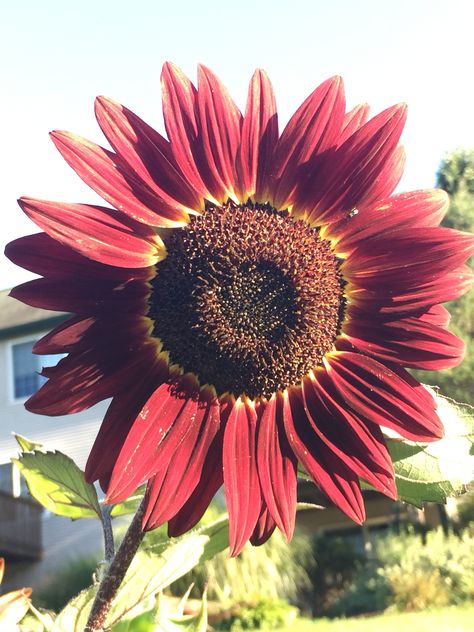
[57, 55]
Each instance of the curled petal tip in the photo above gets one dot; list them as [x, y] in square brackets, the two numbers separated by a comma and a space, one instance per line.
[167, 67]
[102, 100]
[400, 109]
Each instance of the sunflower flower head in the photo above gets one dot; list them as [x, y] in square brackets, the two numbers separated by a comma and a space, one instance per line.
[249, 300]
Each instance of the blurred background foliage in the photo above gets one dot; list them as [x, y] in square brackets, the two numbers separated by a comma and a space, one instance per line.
[456, 177]
[274, 571]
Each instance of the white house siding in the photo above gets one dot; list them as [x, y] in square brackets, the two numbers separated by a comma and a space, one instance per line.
[63, 539]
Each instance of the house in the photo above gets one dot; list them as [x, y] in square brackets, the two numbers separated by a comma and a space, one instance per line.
[32, 540]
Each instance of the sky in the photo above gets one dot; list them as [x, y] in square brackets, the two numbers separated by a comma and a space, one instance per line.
[57, 55]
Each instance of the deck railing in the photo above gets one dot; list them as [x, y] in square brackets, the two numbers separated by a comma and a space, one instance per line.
[20, 527]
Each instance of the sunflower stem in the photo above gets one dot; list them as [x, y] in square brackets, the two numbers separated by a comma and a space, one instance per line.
[109, 548]
[115, 573]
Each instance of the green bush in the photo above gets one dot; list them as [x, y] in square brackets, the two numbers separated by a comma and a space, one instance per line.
[336, 563]
[264, 614]
[368, 592]
[466, 509]
[407, 575]
[418, 590]
[451, 556]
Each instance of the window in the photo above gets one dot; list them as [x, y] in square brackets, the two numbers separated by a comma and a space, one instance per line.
[26, 368]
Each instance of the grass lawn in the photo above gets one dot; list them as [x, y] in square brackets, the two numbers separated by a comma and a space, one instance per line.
[450, 619]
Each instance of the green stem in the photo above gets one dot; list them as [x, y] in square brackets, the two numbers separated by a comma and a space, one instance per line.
[115, 573]
[109, 548]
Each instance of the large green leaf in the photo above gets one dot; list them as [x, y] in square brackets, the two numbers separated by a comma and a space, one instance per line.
[435, 471]
[152, 570]
[401, 450]
[73, 617]
[57, 483]
[442, 468]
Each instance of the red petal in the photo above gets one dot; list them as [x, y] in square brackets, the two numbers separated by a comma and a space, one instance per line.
[384, 397]
[79, 334]
[83, 333]
[147, 153]
[437, 315]
[353, 120]
[210, 481]
[81, 380]
[179, 112]
[264, 528]
[219, 122]
[414, 342]
[361, 448]
[118, 420]
[407, 257]
[99, 233]
[331, 475]
[109, 176]
[84, 297]
[259, 138]
[388, 179]
[416, 209]
[312, 129]
[277, 467]
[159, 429]
[65, 337]
[46, 256]
[171, 487]
[386, 301]
[241, 485]
[350, 175]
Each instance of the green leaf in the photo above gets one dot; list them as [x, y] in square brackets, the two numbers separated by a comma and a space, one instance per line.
[151, 571]
[27, 445]
[130, 505]
[435, 471]
[400, 450]
[57, 483]
[156, 567]
[442, 468]
[73, 617]
[179, 622]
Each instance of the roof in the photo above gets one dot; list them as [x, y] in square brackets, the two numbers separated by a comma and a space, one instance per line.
[17, 319]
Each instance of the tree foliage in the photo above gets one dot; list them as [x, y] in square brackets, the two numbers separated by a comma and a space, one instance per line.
[456, 177]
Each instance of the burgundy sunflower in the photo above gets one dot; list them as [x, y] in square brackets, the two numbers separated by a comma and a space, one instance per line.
[251, 301]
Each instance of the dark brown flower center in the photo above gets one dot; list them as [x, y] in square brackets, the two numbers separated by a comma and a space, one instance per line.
[247, 299]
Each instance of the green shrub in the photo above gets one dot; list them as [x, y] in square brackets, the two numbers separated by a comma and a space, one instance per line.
[418, 590]
[264, 614]
[336, 563]
[368, 592]
[407, 575]
[466, 509]
[451, 556]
